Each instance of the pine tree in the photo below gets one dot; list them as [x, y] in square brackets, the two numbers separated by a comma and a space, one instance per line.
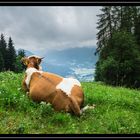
[1, 62]
[114, 18]
[127, 18]
[137, 25]
[105, 27]
[3, 50]
[21, 53]
[19, 67]
[11, 55]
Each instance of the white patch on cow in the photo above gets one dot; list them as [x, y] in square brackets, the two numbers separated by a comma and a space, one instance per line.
[40, 68]
[67, 84]
[29, 73]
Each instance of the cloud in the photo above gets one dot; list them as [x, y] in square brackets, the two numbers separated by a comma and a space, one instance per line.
[43, 28]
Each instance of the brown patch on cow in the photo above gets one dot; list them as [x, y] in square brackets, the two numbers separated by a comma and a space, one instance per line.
[77, 93]
[54, 78]
[40, 87]
[61, 101]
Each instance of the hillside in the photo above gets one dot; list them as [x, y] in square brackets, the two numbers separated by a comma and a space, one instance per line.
[116, 112]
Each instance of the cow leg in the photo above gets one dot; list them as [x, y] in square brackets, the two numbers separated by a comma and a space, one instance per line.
[74, 106]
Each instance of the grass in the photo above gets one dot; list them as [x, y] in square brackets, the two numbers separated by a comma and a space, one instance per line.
[117, 111]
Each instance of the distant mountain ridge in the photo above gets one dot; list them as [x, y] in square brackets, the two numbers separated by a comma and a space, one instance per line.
[77, 55]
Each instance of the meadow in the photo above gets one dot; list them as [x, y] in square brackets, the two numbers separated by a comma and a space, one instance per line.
[117, 111]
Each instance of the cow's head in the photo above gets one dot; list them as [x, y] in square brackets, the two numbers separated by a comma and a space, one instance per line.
[32, 61]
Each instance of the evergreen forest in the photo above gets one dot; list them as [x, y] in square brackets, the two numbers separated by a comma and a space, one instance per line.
[118, 46]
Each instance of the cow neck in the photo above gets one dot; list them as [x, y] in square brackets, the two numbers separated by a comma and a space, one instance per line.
[32, 71]
[29, 74]
[32, 65]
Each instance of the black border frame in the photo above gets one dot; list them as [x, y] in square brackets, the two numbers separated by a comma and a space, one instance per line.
[68, 3]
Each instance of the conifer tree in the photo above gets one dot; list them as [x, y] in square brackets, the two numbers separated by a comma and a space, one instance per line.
[3, 50]
[137, 25]
[1, 62]
[11, 55]
[104, 26]
[19, 67]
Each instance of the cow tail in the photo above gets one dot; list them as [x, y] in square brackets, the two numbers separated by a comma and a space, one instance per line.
[74, 106]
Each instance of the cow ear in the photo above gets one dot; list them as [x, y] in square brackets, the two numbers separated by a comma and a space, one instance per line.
[39, 60]
[25, 61]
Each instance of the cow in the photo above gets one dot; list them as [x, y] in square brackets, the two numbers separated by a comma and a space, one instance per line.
[62, 93]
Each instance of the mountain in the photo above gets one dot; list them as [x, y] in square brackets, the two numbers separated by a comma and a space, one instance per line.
[72, 55]
[71, 62]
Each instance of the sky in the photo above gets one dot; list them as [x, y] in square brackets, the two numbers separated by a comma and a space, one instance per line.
[43, 28]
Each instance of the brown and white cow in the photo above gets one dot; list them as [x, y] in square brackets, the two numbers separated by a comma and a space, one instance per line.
[63, 93]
